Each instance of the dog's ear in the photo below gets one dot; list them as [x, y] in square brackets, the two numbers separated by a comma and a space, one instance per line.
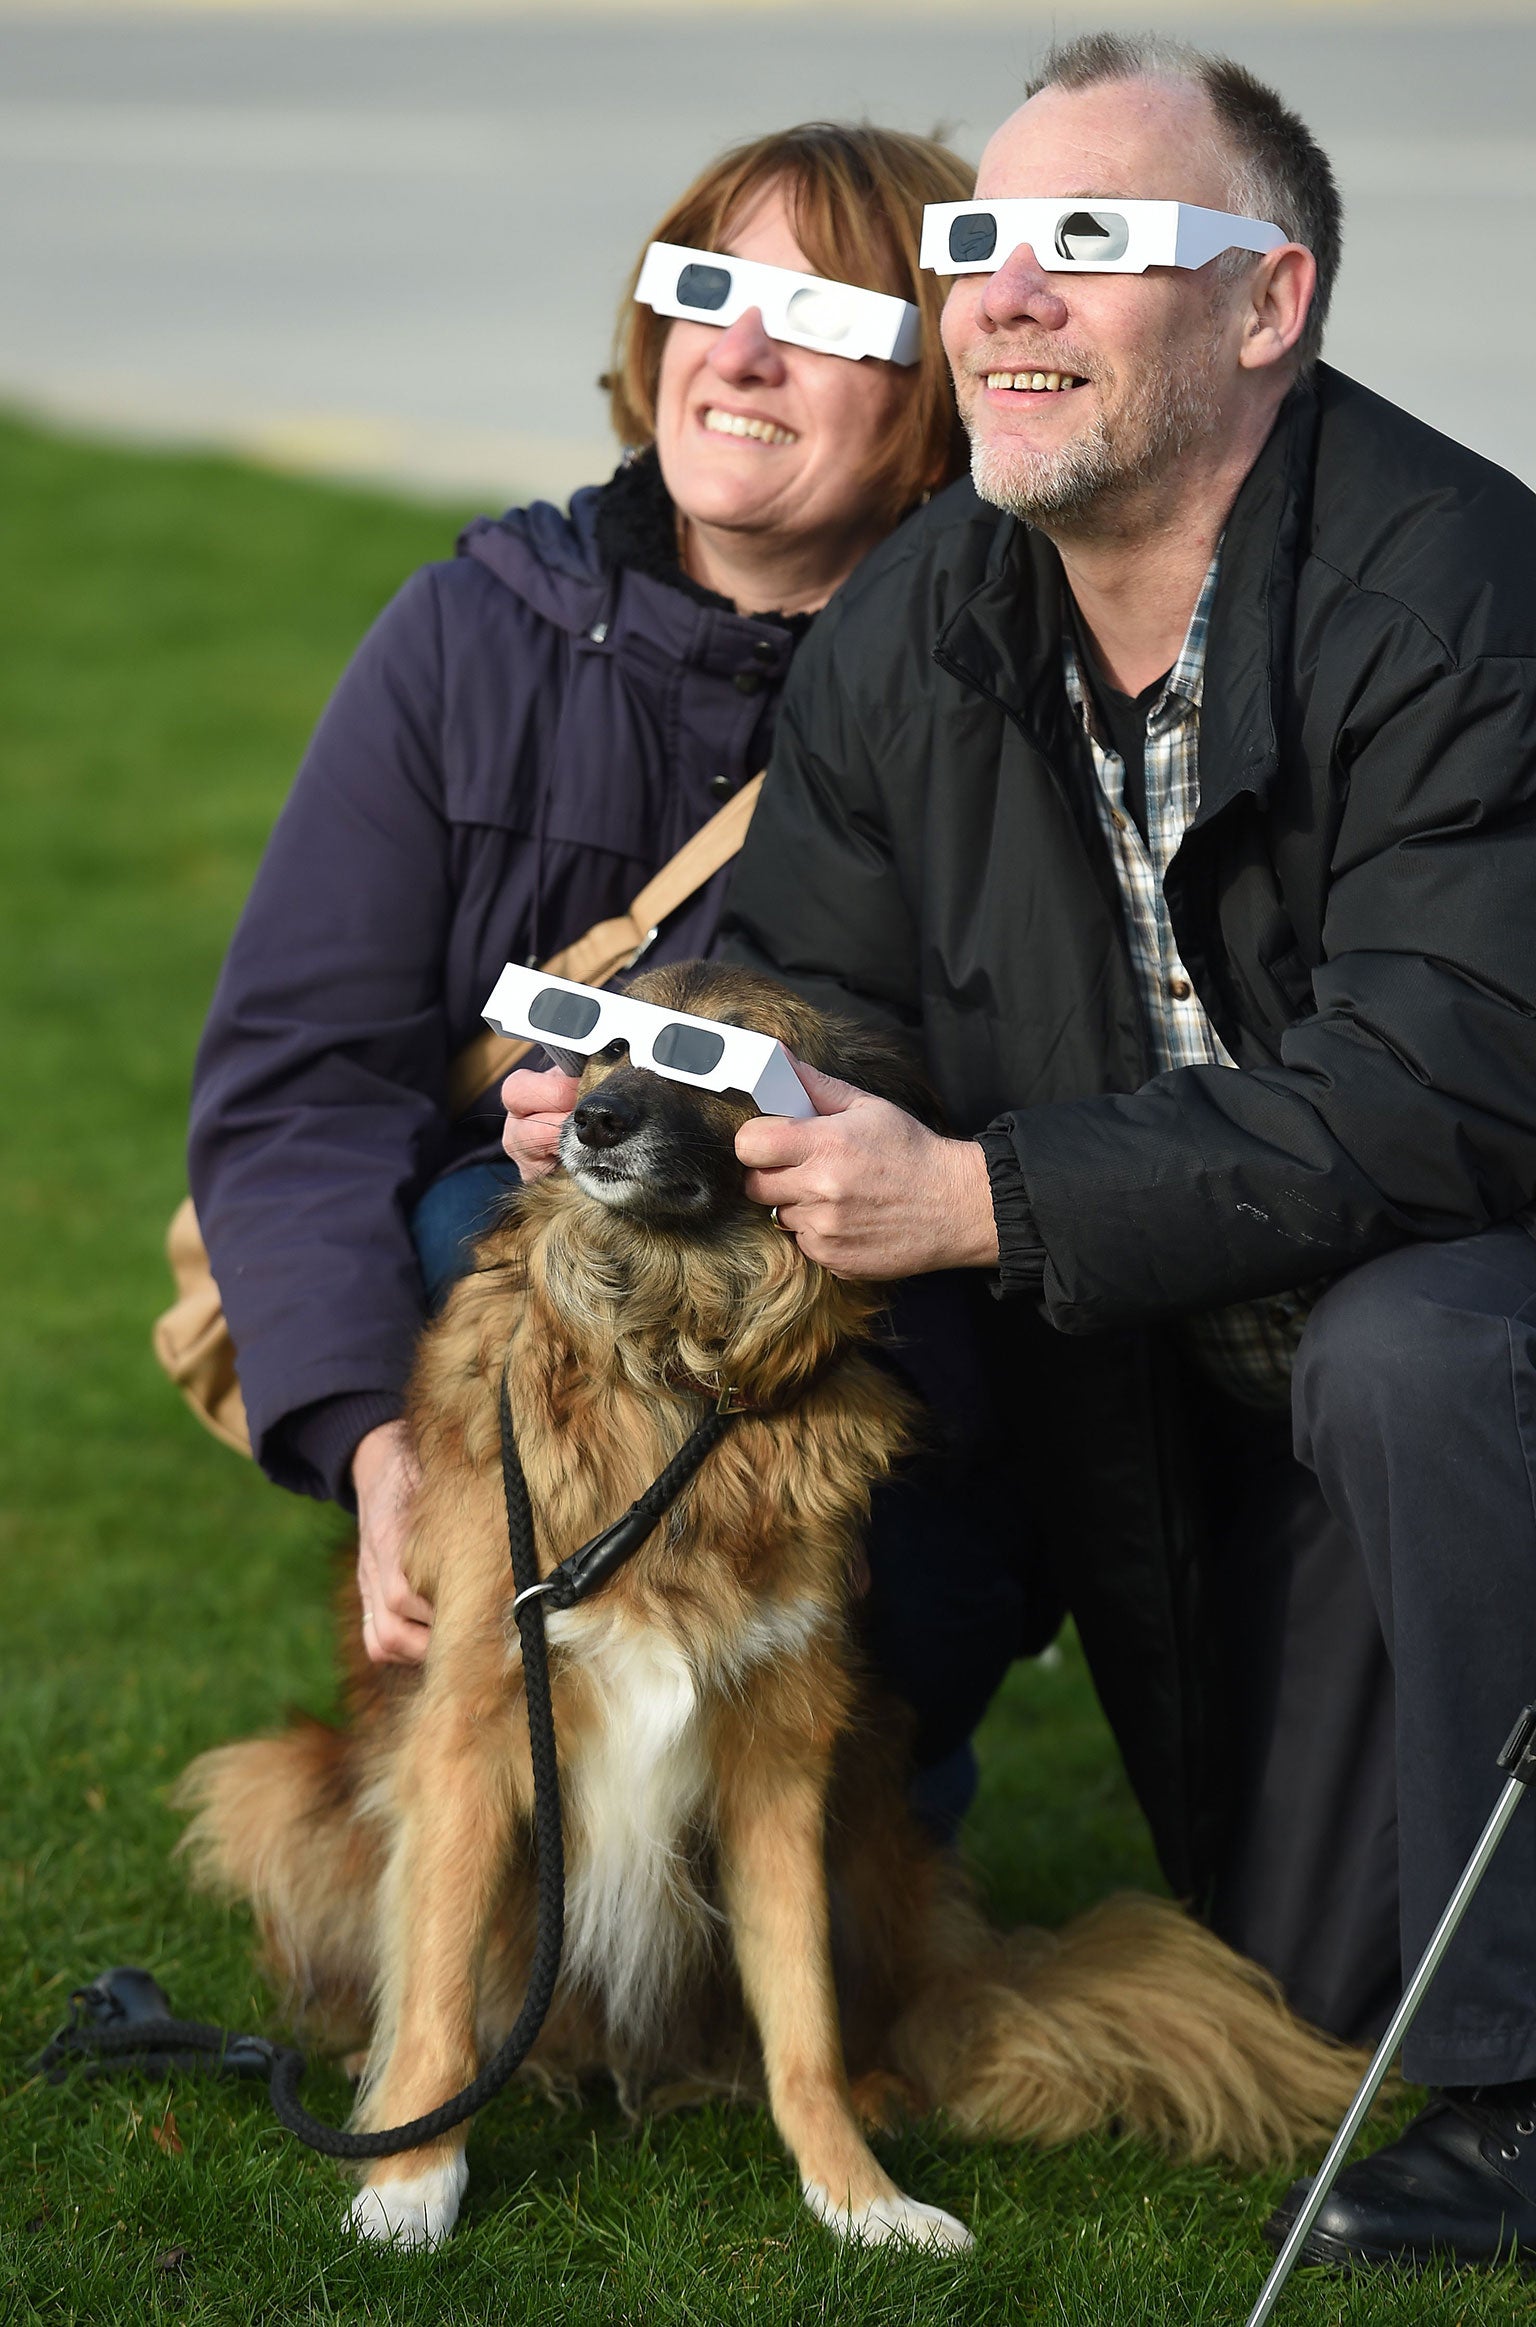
[880, 1063]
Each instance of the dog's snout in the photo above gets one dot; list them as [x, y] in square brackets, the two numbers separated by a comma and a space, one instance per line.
[643, 1143]
[606, 1119]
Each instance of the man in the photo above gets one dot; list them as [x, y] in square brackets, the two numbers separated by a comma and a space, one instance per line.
[1186, 812]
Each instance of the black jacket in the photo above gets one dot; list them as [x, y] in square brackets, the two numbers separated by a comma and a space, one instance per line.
[1355, 901]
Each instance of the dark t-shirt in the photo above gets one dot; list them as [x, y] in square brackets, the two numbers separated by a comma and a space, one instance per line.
[1120, 721]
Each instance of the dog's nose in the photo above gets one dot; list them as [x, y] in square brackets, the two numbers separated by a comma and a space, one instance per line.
[605, 1120]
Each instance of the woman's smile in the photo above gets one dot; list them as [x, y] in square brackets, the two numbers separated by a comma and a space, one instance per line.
[749, 427]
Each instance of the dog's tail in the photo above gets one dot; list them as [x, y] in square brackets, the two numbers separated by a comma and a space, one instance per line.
[277, 1824]
[1133, 2016]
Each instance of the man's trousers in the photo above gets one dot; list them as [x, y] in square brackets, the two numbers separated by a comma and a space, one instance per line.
[1375, 1591]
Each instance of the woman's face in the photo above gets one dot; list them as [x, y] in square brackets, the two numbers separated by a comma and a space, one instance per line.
[822, 423]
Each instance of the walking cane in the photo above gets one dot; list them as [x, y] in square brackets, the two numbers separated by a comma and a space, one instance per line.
[1519, 1759]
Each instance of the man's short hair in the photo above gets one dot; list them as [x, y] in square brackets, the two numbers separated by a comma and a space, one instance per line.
[1279, 171]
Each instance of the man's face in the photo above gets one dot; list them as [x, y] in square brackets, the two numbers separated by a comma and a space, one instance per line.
[1147, 363]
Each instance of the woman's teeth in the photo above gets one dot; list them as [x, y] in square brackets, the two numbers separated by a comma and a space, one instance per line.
[737, 424]
[1032, 380]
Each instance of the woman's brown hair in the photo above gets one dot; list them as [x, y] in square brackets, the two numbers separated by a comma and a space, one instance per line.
[855, 198]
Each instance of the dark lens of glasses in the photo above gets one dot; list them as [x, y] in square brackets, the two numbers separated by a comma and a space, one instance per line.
[692, 1050]
[1092, 234]
[556, 1012]
[972, 237]
[703, 287]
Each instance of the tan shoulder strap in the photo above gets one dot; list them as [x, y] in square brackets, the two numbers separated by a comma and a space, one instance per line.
[697, 861]
[610, 946]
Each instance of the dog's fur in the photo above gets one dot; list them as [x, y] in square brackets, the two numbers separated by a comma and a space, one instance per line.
[750, 1906]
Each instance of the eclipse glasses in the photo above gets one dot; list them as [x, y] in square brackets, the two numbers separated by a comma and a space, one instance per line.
[836, 319]
[1070, 236]
[572, 1022]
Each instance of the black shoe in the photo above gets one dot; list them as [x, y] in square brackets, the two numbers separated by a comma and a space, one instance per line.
[1458, 2186]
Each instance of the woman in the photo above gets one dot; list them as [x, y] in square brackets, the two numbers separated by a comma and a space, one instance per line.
[527, 734]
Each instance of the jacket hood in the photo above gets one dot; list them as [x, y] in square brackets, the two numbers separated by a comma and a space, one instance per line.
[546, 556]
[593, 573]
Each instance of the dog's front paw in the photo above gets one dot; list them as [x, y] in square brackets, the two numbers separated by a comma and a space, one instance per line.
[890, 2221]
[418, 2212]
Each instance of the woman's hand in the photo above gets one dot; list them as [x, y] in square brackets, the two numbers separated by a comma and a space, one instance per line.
[396, 1621]
[537, 1106]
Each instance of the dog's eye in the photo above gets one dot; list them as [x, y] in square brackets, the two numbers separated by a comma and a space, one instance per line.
[610, 1054]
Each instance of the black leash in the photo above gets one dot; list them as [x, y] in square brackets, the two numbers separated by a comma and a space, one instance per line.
[589, 1568]
[116, 2021]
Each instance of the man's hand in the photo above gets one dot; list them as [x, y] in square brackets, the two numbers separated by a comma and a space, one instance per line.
[537, 1106]
[396, 1620]
[866, 1189]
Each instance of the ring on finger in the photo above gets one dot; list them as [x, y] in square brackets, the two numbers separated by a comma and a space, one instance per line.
[773, 1214]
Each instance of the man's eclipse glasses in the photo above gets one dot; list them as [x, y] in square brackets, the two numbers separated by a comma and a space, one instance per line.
[836, 319]
[573, 1022]
[1086, 238]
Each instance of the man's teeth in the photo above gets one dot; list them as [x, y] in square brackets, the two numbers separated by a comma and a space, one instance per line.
[1032, 380]
[737, 424]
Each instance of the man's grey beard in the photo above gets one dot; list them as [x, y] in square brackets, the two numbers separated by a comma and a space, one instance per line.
[1091, 479]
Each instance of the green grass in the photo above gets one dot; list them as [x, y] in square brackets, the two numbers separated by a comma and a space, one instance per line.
[168, 630]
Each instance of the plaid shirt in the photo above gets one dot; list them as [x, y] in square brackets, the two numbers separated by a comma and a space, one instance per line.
[1248, 1349]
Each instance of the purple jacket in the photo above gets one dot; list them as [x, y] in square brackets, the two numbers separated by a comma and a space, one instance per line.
[527, 733]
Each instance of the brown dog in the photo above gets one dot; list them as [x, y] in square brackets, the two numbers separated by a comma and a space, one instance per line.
[735, 1822]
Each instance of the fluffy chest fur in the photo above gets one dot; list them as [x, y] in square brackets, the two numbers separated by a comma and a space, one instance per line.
[643, 1719]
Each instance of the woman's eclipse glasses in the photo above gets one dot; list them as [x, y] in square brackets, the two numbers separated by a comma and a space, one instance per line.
[573, 1022]
[836, 319]
[1073, 236]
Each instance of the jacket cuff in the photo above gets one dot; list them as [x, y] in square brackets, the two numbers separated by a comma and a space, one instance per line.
[311, 1450]
[1021, 1256]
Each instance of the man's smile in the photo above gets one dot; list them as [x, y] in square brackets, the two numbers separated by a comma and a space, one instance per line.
[1034, 383]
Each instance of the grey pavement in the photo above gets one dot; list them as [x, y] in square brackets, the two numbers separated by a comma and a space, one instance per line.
[392, 243]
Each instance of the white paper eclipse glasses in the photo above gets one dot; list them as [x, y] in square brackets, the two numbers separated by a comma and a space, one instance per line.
[1073, 235]
[837, 319]
[579, 1020]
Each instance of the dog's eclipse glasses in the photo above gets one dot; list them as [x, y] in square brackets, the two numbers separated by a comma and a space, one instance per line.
[1074, 236]
[836, 319]
[571, 1022]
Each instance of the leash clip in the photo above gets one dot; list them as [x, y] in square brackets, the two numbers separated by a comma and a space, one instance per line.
[730, 1401]
[532, 1592]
